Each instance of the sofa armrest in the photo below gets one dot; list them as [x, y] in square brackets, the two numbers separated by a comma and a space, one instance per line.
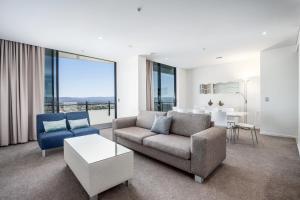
[208, 150]
[123, 122]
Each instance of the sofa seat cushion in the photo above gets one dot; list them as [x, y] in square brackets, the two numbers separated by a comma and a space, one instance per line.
[175, 145]
[134, 134]
[53, 139]
[85, 131]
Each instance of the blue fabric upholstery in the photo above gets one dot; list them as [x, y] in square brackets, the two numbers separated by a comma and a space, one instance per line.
[85, 131]
[56, 138]
[47, 117]
[53, 139]
[76, 115]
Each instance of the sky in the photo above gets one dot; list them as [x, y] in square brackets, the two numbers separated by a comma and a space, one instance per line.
[85, 78]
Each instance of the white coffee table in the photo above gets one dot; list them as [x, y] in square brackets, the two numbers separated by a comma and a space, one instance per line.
[98, 163]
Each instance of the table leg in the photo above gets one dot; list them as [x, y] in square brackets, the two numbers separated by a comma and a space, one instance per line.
[95, 197]
[127, 183]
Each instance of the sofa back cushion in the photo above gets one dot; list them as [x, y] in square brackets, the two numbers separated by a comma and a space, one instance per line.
[145, 119]
[187, 124]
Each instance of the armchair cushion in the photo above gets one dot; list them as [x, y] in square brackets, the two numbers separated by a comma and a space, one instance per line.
[75, 116]
[51, 126]
[85, 131]
[40, 118]
[53, 139]
[134, 134]
[175, 145]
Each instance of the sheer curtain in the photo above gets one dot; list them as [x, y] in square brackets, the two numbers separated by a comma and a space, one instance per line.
[21, 89]
[149, 89]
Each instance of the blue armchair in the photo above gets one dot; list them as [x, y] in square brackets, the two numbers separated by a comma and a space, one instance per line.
[56, 139]
[80, 131]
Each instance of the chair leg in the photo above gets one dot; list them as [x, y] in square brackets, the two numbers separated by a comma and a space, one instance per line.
[44, 153]
[252, 136]
[255, 135]
[199, 179]
[231, 135]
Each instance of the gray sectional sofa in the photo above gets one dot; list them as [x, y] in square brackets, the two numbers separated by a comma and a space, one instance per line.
[193, 145]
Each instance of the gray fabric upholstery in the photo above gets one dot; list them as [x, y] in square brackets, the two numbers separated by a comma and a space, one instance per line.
[161, 124]
[123, 122]
[182, 164]
[193, 147]
[175, 145]
[187, 124]
[208, 150]
[145, 119]
[135, 134]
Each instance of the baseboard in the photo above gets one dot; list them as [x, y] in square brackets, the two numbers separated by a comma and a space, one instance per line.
[269, 133]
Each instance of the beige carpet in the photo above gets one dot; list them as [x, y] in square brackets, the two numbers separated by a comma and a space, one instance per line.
[271, 170]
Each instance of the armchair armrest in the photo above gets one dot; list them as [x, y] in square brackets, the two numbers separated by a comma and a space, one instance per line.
[123, 122]
[208, 150]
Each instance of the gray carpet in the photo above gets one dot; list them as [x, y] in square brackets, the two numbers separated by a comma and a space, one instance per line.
[271, 170]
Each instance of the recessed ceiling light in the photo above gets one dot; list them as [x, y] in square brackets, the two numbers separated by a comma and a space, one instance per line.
[100, 38]
[167, 58]
[220, 57]
[264, 33]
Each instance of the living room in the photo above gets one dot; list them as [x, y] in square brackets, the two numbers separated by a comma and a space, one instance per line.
[149, 99]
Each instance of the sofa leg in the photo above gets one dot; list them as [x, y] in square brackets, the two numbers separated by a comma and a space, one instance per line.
[199, 179]
[44, 153]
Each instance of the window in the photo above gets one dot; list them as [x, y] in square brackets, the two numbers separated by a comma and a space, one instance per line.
[80, 83]
[164, 84]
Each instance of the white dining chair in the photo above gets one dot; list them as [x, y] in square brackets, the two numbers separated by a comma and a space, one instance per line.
[220, 120]
[249, 127]
[227, 109]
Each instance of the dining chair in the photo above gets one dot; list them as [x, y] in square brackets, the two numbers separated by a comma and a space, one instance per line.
[227, 109]
[248, 127]
[220, 120]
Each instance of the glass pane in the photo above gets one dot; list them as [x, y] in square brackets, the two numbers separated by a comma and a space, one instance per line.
[155, 87]
[87, 84]
[163, 87]
[167, 87]
[49, 82]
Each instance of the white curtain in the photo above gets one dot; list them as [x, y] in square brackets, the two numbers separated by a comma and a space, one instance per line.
[21, 89]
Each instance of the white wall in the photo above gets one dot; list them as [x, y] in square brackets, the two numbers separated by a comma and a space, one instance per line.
[181, 84]
[127, 86]
[247, 69]
[298, 93]
[142, 82]
[279, 82]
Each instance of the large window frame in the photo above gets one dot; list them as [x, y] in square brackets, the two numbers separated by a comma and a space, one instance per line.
[159, 85]
[54, 54]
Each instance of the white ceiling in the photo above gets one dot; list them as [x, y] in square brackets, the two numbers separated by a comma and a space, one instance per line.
[173, 32]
